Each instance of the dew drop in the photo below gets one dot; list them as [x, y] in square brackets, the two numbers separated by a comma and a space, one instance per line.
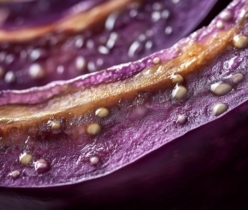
[156, 16]
[91, 66]
[226, 15]
[112, 40]
[134, 48]
[133, 13]
[181, 119]
[9, 77]
[168, 30]
[156, 60]
[55, 125]
[240, 41]
[35, 54]
[102, 112]
[220, 24]
[93, 129]
[179, 92]
[177, 79]
[36, 71]
[79, 42]
[80, 63]
[220, 89]
[9, 58]
[60, 69]
[94, 160]
[103, 50]
[219, 108]
[148, 45]
[41, 166]
[25, 159]
[165, 14]
[175, 1]
[90, 44]
[15, 174]
[110, 22]
[237, 78]
[157, 6]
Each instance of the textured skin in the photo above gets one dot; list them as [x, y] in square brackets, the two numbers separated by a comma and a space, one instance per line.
[137, 32]
[203, 167]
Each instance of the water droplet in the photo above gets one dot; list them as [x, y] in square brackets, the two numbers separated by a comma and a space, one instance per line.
[165, 14]
[110, 22]
[41, 166]
[54, 124]
[15, 174]
[102, 112]
[156, 60]
[91, 66]
[220, 24]
[35, 54]
[226, 15]
[219, 108]
[36, 71]
[79, 42]
[156, 16]
[94, 160]
[112, 40]
[25, 159]
[168, 30]
[177, 79]
[60, 69]
[240, 41]
[179, 92]
[175, 1]
[9, 58]
[9, 77]
[158, 6]
[148, 45]
[103, 50]
[220, 89]
[134, 48]
[237, 78]
[133, 13]
[93, 129]
[181, 119]
[80, 63]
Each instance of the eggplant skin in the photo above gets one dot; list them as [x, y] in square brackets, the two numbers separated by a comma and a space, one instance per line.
[207, 168]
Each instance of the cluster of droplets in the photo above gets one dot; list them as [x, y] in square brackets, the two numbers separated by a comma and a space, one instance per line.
[127, 36]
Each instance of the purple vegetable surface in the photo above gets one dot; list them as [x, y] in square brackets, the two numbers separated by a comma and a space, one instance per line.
[51, 45]
[166, 130]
